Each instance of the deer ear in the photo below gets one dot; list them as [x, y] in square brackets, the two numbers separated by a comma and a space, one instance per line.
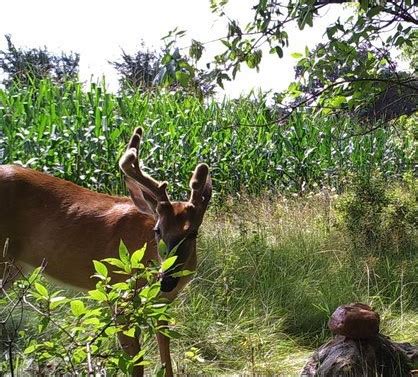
[207, 191]
[142, 199]
[201, 186]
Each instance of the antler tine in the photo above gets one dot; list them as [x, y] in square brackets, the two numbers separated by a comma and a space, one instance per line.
[129, 164]
[198, 184]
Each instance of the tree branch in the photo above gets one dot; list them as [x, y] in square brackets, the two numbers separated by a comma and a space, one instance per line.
[314, 96]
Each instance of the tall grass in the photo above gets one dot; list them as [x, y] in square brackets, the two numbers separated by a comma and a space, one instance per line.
[79, 135]
[271, 273]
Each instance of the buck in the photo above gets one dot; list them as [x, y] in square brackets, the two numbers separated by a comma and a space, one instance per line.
[47, 218]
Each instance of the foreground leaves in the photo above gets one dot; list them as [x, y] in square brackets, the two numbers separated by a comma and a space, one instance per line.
[75, 335]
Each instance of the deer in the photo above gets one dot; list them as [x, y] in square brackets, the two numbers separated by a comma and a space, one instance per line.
[45, 218]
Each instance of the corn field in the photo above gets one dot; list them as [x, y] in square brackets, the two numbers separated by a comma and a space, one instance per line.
[79, 135]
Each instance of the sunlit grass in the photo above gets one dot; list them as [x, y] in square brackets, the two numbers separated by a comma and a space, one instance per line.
[271, 272]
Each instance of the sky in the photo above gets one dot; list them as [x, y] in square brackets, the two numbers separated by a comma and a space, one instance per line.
[99, 29]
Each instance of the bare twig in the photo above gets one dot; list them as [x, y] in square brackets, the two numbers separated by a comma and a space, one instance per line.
[89, 364]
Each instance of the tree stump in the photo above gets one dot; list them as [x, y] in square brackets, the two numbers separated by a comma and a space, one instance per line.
[358, 349]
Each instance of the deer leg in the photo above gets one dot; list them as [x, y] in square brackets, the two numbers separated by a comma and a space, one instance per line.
[131, 347]
[164, 347]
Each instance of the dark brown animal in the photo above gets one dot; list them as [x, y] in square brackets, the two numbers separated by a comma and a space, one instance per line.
[44, 217]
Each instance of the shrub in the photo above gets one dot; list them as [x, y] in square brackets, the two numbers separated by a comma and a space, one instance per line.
[73, 335]
[379, 216]
[25, 66]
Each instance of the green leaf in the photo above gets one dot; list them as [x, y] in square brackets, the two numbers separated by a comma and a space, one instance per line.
[331, 31]
[42, 325]
[130, 332]
[41, 290]
[162, 249]
[111, 330]
[168, 263]
[253, 59]
[279, 51]
[296, 55]
[196, 49]
[114, 262]
[123, 364]
[122, 286]
[185, 65]
[123, 253]
[34, 275]
[139, 356]
[56, 301]
[166, 59]
[168, 332]
[97, 295]
[183, 77]
[143, 362]
[173, 251]
[92, 321]
[100, 268]
[150, 292]
[30, 349]
[153, 291]
[77, 307]
[137, 256]
[160, 372]
[337, 101]
[79, 355]
[364, 4]
[180, 274]
[226, 43]
[373, 11]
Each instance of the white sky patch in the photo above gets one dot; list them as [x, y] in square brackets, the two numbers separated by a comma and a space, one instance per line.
[99, 29]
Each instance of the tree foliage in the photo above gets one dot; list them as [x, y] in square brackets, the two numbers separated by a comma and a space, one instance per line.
[147, 70]
[23, 65]
[386, 93]
[138, 70]
[410, 52]
[348, 70]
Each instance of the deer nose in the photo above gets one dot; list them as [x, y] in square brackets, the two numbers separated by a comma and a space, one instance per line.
[168, 283]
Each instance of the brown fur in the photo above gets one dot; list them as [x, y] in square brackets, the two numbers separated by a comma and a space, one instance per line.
[48, 218]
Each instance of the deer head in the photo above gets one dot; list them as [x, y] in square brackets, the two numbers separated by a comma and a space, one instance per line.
[176, 223]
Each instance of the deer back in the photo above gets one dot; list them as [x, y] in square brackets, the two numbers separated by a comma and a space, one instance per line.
[47, 218]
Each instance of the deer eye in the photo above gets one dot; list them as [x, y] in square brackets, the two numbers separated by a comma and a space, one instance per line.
[157, 230]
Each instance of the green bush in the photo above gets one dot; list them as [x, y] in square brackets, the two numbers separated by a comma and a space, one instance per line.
[379, 216]
[400, 216]
[45, 332]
